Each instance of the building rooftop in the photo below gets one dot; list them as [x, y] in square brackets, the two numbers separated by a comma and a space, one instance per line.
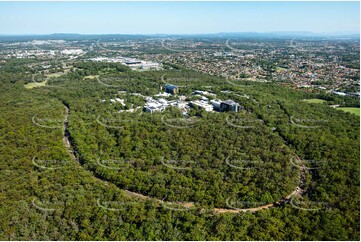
[230, 102]
[170, 86]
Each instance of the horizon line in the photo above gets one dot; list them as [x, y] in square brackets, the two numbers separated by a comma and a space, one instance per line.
[211, 33]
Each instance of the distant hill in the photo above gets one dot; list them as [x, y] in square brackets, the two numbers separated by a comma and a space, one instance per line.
[265, 35]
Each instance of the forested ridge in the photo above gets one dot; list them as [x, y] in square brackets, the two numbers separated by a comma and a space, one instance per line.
[47, 195]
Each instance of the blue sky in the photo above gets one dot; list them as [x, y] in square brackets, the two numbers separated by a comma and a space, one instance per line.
[177, 17]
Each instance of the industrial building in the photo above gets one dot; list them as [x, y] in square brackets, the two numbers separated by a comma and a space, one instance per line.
[134, 64]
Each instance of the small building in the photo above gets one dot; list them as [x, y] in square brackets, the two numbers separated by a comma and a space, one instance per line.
[198, 92]
[163, 101]
[162, 94]
[181, 105]
[204, 98]
[151, 109]
[172, 89]
[182, 98]
[230, 105]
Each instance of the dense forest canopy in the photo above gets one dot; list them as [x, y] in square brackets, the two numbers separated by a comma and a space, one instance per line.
[214, 160]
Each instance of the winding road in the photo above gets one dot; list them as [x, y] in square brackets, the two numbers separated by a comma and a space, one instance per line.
[187, 205]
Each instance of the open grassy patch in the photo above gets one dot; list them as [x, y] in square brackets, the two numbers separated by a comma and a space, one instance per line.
[35, 84]
[355, 111]
[314, 100]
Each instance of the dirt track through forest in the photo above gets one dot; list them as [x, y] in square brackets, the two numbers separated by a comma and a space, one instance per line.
[187, 205]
